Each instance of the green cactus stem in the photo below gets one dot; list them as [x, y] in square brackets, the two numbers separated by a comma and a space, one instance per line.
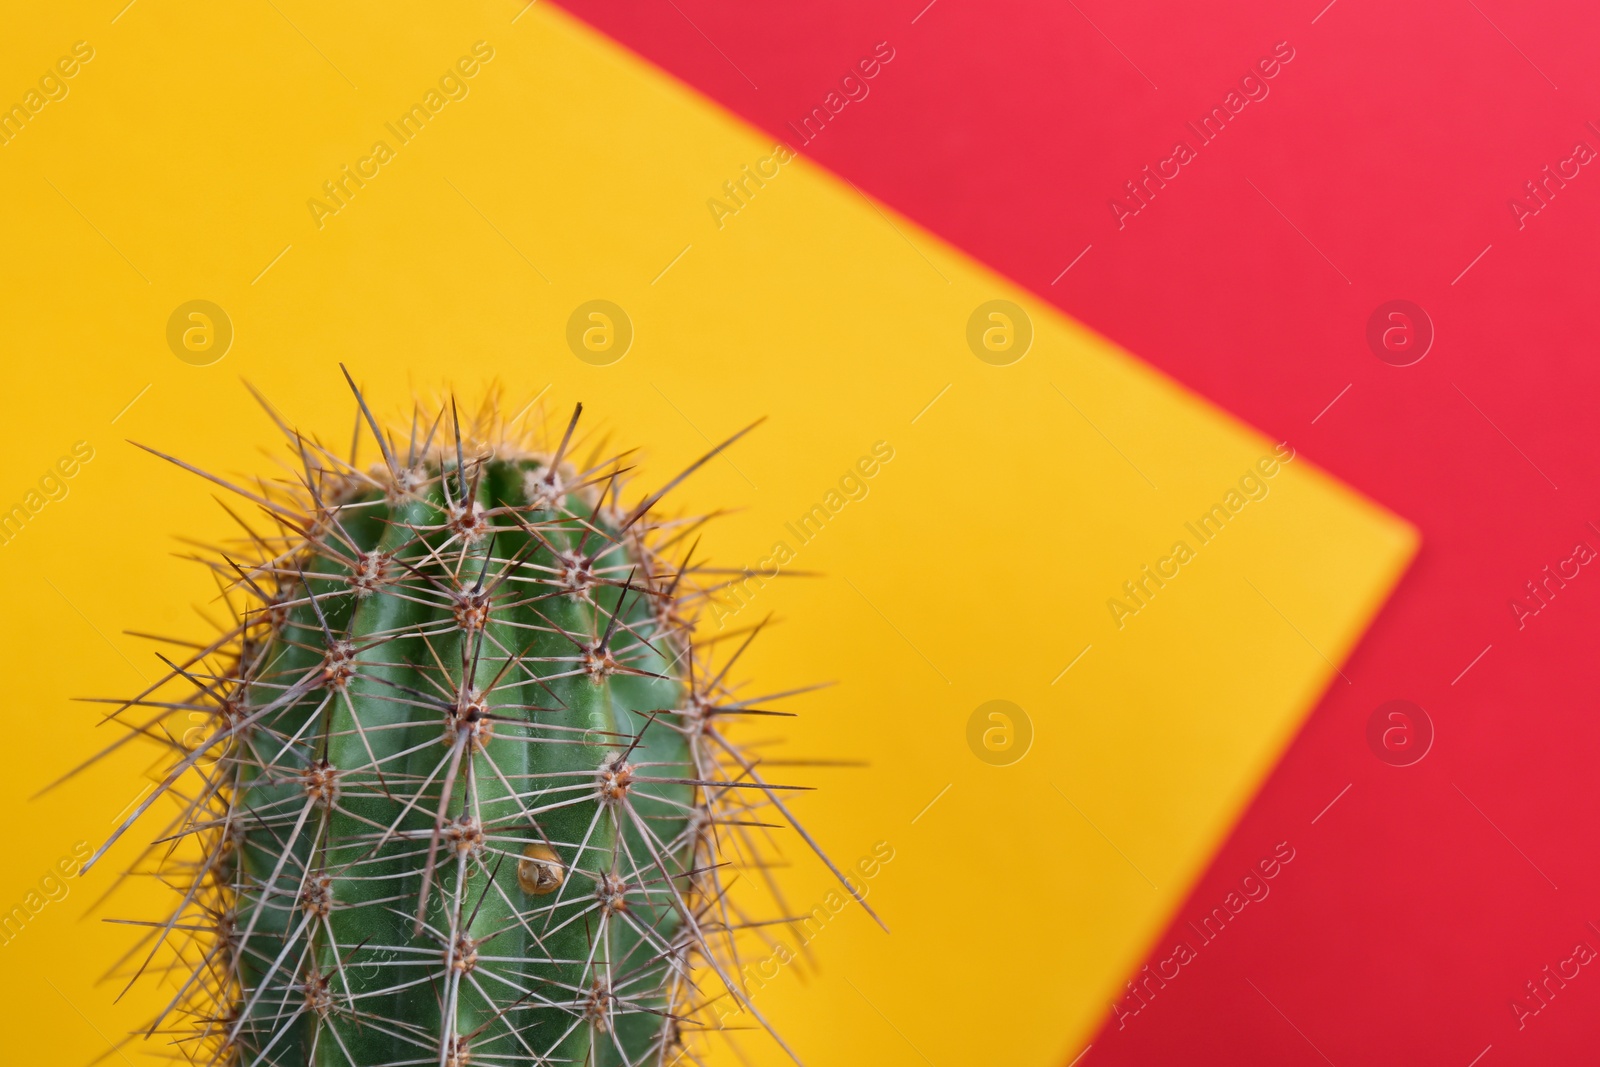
[464, 792]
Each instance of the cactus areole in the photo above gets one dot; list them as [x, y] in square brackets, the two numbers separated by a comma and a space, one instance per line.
[463, 792]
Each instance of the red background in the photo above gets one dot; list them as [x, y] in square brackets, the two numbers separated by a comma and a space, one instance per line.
[1394, 141]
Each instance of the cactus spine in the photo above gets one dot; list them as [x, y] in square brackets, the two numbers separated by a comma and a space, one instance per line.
[463, 791]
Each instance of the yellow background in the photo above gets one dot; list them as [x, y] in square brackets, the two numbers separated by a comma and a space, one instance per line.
[978, 567]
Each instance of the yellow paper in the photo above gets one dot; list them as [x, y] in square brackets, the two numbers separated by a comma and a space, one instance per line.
[974, 565]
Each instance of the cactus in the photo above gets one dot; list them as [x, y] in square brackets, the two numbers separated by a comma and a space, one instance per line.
[456, 786]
